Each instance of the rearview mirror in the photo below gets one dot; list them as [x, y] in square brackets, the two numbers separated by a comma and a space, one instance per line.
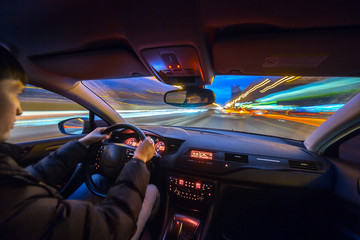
[190, 97]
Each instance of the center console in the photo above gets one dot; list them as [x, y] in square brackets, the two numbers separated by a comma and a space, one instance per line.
[191, 189]
[190, 204]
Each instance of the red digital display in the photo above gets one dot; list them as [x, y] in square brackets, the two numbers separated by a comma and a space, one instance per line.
[201, 154]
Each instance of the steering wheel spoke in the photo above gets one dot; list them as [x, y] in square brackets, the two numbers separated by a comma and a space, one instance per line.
[108, 159]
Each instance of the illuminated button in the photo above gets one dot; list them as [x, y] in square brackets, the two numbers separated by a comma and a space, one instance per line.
[198, 185]
[181, 182]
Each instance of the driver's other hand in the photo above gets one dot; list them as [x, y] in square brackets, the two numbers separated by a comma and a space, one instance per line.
[146, 150]
[94, 136]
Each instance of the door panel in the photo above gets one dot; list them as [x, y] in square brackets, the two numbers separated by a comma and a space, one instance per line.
[36, 150]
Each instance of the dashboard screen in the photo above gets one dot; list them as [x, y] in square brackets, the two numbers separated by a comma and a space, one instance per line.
[201, 154]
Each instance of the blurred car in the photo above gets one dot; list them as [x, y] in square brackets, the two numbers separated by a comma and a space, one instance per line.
[242, 167]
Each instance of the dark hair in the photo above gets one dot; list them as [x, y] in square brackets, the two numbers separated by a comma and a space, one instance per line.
[10, 67]
[191, 92]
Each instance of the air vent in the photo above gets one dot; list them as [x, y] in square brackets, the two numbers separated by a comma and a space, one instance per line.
[236, 158]
[314, 166]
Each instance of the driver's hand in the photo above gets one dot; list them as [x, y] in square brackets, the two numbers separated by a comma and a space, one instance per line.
[94, 136]
[145, 151]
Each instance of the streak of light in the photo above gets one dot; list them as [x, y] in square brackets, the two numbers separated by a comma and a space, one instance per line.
[160, 112]
[275, 84]
[27, 86]
[293, 79]
[324, 88]
[124, 93]
[73, 127]
[154, 92]
[217, 105]
[41, 122]
[41, 118]
[315, 109]
[310, 121]
[244, 95]
[124, 103]
[34, 113]
[140, 96]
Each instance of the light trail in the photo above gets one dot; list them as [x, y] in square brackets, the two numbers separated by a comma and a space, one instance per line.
[40, 118]
[275, 84]
[328, 87]
[244, 95]
[310, 121]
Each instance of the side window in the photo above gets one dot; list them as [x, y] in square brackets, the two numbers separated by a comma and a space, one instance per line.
[42, 111]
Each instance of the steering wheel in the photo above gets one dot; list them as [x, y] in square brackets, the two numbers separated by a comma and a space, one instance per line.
[108, 159]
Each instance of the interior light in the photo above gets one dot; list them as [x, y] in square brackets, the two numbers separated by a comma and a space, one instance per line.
[169, 66]
[178, 66]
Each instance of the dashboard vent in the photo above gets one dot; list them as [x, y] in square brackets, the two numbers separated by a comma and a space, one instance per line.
[236, 158]
[314, 166]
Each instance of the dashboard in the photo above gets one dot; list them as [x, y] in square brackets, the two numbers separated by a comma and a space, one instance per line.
[234, 156]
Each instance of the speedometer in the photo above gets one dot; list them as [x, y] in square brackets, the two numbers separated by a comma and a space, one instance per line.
[132, 142]
[160, 147]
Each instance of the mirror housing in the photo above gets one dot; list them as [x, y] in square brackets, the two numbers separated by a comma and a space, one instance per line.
[191, 97]
[74, 126]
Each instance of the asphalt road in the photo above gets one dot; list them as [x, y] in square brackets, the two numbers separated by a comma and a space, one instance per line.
[242, 123]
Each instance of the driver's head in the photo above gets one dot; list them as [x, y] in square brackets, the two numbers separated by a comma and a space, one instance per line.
[194, 97]
[12, 82]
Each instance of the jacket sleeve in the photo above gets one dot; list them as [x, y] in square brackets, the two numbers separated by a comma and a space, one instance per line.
[56, 167]
[114, 218]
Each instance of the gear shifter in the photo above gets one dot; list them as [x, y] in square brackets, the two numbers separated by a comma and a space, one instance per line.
[174, 232]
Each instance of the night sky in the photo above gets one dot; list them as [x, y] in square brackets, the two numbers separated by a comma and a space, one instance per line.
[222, 85]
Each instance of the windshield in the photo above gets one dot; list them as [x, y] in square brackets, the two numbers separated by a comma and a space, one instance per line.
[283, 106]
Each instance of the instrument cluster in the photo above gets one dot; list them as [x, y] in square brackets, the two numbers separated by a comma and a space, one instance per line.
[160, 146]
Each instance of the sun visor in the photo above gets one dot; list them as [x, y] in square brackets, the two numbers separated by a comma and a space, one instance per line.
[332, 52]
[93, 64]
[178, 65]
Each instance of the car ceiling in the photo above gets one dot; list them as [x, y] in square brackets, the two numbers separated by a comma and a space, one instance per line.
[74, 40]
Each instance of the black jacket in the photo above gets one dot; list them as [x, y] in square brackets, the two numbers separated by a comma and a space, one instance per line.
[31, 209]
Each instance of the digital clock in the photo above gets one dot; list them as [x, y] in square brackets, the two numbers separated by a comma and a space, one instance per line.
[201, 154]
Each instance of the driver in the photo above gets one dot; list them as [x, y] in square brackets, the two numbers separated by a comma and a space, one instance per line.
[195, 97]
[31, 208]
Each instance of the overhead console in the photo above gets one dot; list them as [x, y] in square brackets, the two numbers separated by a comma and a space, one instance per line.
[179, 65]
